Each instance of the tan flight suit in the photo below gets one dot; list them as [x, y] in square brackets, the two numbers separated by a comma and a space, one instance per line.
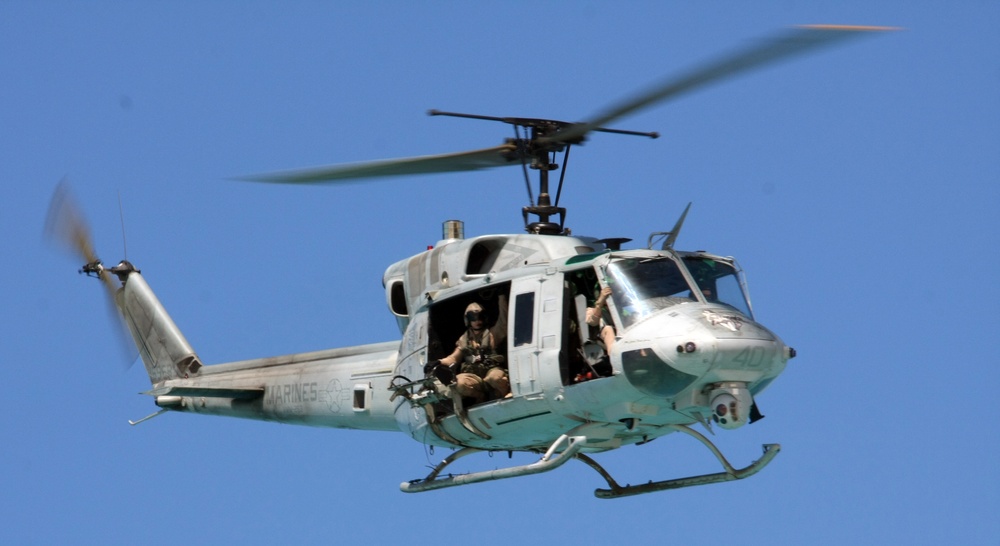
[483, 375]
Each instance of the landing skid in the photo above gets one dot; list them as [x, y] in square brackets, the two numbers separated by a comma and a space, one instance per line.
[568, 447]
[730, 474]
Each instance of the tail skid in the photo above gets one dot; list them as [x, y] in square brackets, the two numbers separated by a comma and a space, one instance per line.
[148, 417]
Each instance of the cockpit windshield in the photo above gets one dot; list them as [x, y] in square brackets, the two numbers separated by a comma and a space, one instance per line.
[718, 281]
[640, 287]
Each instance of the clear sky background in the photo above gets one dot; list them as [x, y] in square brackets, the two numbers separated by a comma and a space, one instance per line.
[858, 186]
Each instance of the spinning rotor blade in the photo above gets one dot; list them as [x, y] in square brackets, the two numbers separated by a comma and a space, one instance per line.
[474, 160]
[66, 225]
[550, 136]
[791, 42]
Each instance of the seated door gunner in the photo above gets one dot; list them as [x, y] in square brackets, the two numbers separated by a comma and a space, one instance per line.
[481, 372]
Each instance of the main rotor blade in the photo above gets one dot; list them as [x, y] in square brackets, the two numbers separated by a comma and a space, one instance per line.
[474, 160]
[783, 45]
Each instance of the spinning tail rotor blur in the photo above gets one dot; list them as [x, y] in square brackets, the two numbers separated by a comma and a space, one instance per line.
[67, 226]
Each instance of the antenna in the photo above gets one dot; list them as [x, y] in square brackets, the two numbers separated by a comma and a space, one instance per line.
[121, 216]
[670, 236]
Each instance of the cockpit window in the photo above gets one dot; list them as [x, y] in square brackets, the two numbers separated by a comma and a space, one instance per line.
[643, 286]
[718, 281]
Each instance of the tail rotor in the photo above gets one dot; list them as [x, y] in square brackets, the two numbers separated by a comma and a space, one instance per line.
[66, 226]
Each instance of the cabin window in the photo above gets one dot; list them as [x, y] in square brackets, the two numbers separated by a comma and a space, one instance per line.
[643, 287]
[524, 318]
[362, 397]
[719, 282]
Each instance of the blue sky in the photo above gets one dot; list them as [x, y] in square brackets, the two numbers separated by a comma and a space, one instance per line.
[857, 186]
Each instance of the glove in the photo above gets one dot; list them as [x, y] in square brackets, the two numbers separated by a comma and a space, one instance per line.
[444, 374]
[431, 364]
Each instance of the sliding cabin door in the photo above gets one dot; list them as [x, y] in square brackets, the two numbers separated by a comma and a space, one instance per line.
[534, 333]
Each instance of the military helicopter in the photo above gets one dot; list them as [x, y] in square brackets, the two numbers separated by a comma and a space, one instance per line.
[599, 346]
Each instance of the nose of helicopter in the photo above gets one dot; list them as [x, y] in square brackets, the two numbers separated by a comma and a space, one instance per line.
[716, 350]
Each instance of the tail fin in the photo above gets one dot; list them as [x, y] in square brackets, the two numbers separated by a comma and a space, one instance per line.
[164, 350]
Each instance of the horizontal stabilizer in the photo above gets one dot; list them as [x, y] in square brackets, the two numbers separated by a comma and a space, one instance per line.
[209, 392]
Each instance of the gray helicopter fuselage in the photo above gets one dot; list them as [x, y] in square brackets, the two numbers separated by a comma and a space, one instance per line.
[672, 356]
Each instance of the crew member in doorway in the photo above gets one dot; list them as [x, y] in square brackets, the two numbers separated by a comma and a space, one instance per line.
[482, 373]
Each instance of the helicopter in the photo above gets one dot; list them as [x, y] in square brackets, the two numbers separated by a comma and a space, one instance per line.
[592, 346]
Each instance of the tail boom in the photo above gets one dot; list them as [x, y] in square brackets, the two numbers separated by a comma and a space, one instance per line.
[343, 388]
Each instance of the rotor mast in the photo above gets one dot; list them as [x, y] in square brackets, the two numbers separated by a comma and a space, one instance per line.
[544, 209]
[536, 149]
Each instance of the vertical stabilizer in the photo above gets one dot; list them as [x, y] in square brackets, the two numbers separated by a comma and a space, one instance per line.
[164, 350]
